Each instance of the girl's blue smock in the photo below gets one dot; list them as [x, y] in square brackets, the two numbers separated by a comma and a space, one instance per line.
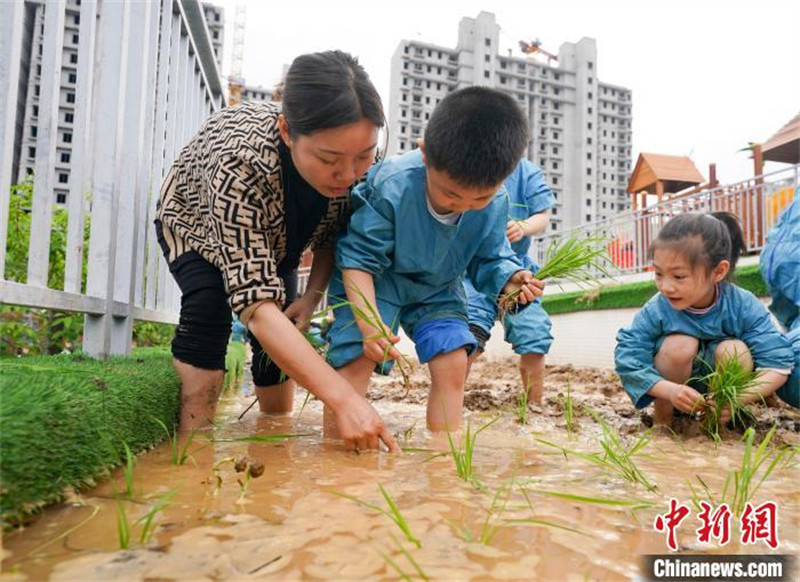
[736, 313]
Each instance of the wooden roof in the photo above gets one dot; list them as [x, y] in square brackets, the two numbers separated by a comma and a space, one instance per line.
[676, 173]
[784, 146]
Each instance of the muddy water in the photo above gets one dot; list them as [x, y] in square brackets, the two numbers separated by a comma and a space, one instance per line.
[294, 522]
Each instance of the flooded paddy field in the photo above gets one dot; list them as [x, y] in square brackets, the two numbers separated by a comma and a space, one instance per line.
[541, 503]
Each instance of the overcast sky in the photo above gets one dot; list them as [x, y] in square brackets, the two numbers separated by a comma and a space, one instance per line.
[707, 76]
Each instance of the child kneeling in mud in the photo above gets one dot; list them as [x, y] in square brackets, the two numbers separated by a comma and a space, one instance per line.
[696, 320]
[420, 221]
[780, 269]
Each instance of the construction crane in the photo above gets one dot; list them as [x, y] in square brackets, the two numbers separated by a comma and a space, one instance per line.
[535, 46]
[235, 79]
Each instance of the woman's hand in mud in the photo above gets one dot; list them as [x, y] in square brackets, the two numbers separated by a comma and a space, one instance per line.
[300, 311]
[361, 427]
[529, 287]
[379, 343]
[687, 399]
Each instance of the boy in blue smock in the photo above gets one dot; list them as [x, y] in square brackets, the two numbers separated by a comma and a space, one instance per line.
[780, 268]
[528, 330]
[419, 221]
[696, 319]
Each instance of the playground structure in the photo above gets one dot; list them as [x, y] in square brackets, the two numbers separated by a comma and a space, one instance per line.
[664, 186]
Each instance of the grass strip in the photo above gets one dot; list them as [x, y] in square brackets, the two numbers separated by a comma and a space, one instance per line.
[65, 418]
[619, 296]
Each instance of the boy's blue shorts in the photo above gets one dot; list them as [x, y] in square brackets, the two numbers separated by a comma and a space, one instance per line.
[790, 392]
[434, 329]
[527, 330]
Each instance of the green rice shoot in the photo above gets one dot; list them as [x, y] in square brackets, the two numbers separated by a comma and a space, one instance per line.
[148, 518]
[127, 471]
[572, 259]
[616, 457]
[123, 526]
[758, 463]
[536, 521]
[403, 574]
[726, 386]
[463, 454]
[392, 513]
[178, 455]
[521, 409]
[371, 317]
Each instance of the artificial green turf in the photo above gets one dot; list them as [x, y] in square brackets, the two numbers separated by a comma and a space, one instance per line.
[634, 294]
[234, 364]
[63, 420]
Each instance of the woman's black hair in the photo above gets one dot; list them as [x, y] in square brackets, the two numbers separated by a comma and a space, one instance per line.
[328, 89]
[703, 239]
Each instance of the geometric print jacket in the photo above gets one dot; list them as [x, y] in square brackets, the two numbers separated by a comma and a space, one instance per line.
[224, 198]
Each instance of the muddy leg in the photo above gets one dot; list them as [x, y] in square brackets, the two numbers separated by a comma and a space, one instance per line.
[470, 359]
[276, 399]
[674, 362]
[531, 368]
[357, 373]
[446, 399]
[200, 391]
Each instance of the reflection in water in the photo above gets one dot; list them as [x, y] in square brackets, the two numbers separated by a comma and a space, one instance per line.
[290, 523]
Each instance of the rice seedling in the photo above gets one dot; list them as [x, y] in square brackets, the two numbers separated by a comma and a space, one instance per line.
[123, 526]
[726, 386]
[573, 259]
[742, 484]
[263, 438]
[536, 521]
[179, 455]
[521, 409]
[462, 455]
[147, 519]
[402, 573]
[370, 316]
[616, 456]
[392, 513]
[127, 470]
[489, 526]
[607, 501]
[33, 553]
[569, 409]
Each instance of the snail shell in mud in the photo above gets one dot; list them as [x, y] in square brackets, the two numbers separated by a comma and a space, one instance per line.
[255, 468]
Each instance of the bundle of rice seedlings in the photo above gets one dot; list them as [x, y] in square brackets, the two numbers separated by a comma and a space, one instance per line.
[573, 259]
[726, 386]
[369, 315]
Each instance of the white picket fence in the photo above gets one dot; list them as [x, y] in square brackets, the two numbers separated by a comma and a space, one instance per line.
[146, 81]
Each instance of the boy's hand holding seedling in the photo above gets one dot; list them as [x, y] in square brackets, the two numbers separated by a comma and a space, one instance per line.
[379, 339]
[379, 342]
[523, 287]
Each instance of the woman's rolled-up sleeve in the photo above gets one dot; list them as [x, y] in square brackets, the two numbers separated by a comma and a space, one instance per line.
[243, 210]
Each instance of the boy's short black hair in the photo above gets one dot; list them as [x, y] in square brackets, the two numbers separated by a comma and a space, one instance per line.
[477, 136]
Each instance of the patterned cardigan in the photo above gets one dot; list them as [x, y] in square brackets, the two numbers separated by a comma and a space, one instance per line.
[224, 198]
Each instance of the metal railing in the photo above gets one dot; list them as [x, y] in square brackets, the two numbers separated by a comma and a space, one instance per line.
[146, 80]
[757, 202]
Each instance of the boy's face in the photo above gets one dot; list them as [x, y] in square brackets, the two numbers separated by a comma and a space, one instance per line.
[446, 195]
